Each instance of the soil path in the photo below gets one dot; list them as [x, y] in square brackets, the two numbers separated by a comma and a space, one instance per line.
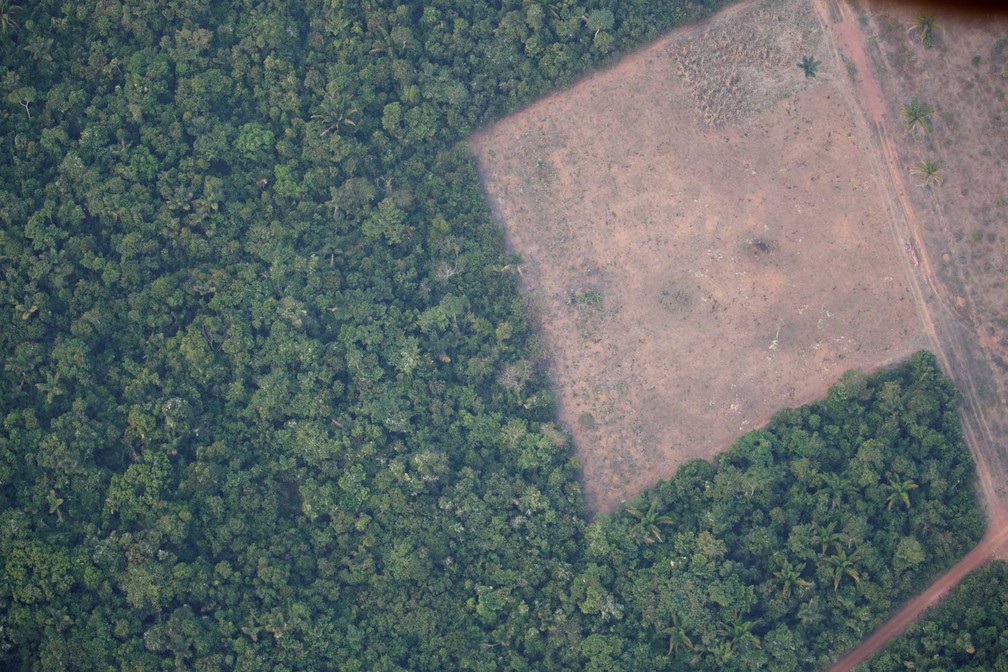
[940, 322]
[983, 553]
[947, 332]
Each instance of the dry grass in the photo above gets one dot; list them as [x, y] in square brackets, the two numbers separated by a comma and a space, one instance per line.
[735, 69]
[696, 266]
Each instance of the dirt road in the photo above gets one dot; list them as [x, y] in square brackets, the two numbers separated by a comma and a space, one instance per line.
[946, 330]
[983, 553]
[951, 337]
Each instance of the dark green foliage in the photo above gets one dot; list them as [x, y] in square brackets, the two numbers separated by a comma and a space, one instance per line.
[809, 66]
[926, 24]
[967, 631]
[809, 531]
[269, 403]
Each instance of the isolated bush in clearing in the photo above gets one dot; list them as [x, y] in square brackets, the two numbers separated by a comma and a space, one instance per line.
[925, 24]
[930, 172]
[809, 66]
[917, 116]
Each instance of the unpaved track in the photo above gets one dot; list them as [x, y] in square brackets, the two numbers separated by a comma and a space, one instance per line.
[944, 328]
[946, 331]
[983, 553]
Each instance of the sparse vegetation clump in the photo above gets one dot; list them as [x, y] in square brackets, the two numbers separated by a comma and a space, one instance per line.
[809, 66]
[733, 71]
[591, 297]
[917, 116]
[925, 25]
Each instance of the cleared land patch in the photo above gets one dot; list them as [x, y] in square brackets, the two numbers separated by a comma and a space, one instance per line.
[959, 220]
[700, 257]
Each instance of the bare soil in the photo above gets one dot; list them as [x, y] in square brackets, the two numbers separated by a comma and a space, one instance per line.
[958, 227]
[707, 237]
[911, 611]
[955, 225]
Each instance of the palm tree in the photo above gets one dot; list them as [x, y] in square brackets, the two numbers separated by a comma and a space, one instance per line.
[678, 639]
[808, 613]
[930, 171]
[51, 387]
[252, 630]
[336, 111]
[736, 630]
[841, 565]
[55, 502]
[550, 8]
[917, 115]
[809, 66]
[647, 525]
[789, 576]
[925, 24]
[826, 536]
[837, 488]
[382, 43]
[899, 491]
[7, 21]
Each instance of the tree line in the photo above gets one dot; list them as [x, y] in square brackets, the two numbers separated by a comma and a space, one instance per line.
[966, 631]
[270, 401]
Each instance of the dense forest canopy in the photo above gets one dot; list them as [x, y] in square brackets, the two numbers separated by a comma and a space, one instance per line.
[966, 632]
[803, 536]
[270, 402]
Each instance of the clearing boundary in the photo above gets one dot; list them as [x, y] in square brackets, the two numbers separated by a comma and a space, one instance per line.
[665, 256]
[702, 240]
[960, 350]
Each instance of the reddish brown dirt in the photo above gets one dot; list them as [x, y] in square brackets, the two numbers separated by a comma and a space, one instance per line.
[705, 240]
[957, 229]
[618, 196]
[911, 611]
[962, 299]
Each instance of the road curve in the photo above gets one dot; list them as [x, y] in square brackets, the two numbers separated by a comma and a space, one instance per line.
[911, 611]
[844, 33]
